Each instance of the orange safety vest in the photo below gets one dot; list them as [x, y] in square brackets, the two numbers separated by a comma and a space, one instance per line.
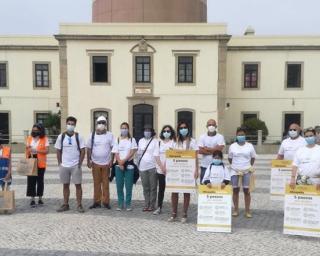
[42, 158]
[5, 152]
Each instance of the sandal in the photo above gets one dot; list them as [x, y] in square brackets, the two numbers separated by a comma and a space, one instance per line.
[145, 209]
[173, 217]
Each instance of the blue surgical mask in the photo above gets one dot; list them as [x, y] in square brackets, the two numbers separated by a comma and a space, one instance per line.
[216, 161]
[166, 135]
[147, 134]
[241, 139]
[184, 132]
[124, 132]
[310, 140]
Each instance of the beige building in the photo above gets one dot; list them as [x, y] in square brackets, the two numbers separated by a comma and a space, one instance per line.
[142, 73]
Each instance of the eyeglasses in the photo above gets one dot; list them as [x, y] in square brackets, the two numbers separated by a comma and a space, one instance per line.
[182, 127]
[166, 131]
[69, 140]
[293, 130]
[101, 122]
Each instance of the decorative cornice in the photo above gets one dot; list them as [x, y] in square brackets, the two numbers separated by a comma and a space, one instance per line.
[139, 37]
[29, 47]
[275, 48]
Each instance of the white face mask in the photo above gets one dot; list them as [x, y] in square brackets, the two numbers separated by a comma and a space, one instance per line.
[211, 128]
[101, 127]
[293, 134]
[70, 128]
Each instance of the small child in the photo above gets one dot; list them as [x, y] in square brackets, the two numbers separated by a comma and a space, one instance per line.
[216, 172]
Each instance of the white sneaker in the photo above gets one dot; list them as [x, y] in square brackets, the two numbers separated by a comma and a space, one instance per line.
[118, 209]
[129, 209]
[184, 220]
[157, 212]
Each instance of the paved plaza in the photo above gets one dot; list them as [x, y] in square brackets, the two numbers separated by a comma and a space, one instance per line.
[42, 231]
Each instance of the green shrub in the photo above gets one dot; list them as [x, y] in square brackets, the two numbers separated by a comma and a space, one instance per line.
[252, 126]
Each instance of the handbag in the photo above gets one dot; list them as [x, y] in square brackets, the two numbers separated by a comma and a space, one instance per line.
[7, 200]
[27, 167]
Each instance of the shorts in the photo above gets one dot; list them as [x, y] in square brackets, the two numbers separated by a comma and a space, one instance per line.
[68, 174]
[245, 180]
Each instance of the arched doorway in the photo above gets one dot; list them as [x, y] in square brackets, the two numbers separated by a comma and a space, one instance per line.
[142, 115]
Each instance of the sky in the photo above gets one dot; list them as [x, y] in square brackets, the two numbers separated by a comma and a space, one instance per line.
[267, 17]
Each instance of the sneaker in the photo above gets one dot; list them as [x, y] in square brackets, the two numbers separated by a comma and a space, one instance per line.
[150, 209]
[80, 209]
[173, 218]
[107, 206]
[95, 205]
[33, 204]
[40, 202]
[157, 212]
[119, 209]
[63, 208]
[129, 209]
[248, 215]
[235, 213]
[184, 219]
[145, 209]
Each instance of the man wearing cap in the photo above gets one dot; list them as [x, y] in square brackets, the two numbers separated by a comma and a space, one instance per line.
[290, 145]
[100, 159]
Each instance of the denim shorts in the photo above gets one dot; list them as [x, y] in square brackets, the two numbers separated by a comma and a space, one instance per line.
[245, 180]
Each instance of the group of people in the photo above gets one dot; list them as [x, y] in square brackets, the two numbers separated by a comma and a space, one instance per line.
[122, 157]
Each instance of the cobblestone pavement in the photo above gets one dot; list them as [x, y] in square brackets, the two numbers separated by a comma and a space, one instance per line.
[42, 231]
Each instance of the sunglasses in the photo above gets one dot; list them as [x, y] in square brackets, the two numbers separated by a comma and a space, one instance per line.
[166, 130]
[101, 122]
[182, 127]
[293, 130]
[69, 140]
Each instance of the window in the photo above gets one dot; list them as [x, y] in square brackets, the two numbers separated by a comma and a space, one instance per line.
[186, 116]
[142, 114]
[185, 69]
[294, 75]
[3, 75]
[143, 69]
[249, 115]
[251, 76]
[42, 79]
[98, 113]
[42, 117]
[100, 69]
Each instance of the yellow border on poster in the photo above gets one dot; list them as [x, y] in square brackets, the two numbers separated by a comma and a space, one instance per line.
[302, 229]
[190, 154]
[215, 189]
[281, 163]
[303, 190]
[212, 225]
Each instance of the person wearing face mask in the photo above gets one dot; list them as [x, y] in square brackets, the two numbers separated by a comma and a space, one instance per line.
[166, 142]
[209, 142]
[317, 129]
[147, 168]
[306, 162]
[70, 155]
[184, 142]
[241, 156]
[124, 149]
[37, 146]
[100, 159]
[216, 173]
[5, 164]
[290, 145]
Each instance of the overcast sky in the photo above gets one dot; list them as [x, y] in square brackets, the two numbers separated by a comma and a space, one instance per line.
[271, 17]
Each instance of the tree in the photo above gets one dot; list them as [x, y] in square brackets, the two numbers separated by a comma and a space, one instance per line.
[52, 123]
[252, 126]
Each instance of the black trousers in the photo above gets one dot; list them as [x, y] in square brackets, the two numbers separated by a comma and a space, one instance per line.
[162, 187]
[35, 184]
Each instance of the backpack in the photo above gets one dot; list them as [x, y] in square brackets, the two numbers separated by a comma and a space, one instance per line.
[77, 140]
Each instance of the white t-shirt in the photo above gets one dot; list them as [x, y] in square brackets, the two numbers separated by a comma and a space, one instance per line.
[70, 152]
[160, 150]
[289, 147]
[216, 174]
[123, 147]
[147, 162]
[101, 152]
[210, 142]
[308, 162]
[192, 145]
[241, 156]
[34, 144]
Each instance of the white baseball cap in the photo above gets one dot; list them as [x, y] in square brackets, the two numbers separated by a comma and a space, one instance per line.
[101, 118]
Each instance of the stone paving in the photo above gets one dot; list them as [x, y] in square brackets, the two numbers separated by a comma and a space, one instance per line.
[42, 231]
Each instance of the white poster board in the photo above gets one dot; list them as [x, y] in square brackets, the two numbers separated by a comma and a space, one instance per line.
[181, 165]
[280, 176]
[214, 209]
[302, 211]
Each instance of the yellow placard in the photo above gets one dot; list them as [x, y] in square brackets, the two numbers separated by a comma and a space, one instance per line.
[281, 163]
[303, 190]
[215, 189]
[190, 154]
